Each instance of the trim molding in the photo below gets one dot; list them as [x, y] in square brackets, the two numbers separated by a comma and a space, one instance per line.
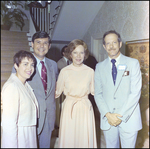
[60, 42]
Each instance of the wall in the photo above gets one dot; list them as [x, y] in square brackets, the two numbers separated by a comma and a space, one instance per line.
[131, 20]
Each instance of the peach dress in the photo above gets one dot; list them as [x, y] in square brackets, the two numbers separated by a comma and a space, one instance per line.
[77, 121]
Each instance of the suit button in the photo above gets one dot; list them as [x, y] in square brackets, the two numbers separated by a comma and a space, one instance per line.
[113, 108]
[114, 97]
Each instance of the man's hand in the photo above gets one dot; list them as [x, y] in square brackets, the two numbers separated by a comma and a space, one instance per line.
[113, 118]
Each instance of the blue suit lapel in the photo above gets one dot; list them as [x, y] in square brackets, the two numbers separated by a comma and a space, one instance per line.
[108, 72]
[120, 72]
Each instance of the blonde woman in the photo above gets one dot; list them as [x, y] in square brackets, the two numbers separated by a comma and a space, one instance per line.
[76, 81]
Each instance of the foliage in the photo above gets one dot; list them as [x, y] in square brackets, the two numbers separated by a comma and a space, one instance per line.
[11, 13]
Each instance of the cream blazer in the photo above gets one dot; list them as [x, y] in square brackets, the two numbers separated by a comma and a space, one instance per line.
[19, 104]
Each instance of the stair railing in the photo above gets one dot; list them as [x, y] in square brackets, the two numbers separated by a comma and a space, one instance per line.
[40, 17]
[43, 18]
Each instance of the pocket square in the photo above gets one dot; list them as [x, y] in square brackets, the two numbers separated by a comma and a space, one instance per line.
[126, 73]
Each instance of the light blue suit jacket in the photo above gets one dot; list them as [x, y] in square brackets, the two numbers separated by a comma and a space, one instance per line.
[123, 98]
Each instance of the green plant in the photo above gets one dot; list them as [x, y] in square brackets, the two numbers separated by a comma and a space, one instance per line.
[12, 14]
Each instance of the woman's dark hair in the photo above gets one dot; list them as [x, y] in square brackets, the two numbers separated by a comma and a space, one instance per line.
[111, 32]
[73, 44]
[19, 56]
[41, 34]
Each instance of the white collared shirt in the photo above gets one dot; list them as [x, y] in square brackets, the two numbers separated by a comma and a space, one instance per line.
[39, 65]
[117, 61]
[65, 59]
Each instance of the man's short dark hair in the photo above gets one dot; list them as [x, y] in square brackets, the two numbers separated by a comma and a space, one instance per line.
[63, 49]
[41, 34]
[111, 32]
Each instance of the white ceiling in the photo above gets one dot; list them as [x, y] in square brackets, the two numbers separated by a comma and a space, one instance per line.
[74, 19]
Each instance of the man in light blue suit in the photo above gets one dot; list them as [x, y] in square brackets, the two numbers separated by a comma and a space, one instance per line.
[118, 99]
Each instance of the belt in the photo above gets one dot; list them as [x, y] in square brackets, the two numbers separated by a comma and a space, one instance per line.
[77, 99]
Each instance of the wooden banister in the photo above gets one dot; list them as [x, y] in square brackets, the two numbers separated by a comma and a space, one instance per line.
[57, 7]
[43, 18]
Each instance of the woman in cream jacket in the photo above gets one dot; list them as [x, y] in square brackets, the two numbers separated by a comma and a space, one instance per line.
[19, 105]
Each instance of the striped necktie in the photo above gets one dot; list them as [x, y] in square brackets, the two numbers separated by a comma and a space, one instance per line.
[44, 76]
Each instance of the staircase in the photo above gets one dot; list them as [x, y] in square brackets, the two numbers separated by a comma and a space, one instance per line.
[11, 42]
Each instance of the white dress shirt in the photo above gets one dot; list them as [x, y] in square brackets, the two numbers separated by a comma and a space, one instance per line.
[117, 61]
[39, 65]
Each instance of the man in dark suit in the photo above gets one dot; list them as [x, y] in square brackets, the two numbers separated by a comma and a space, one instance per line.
[41, 43]
[91, 61]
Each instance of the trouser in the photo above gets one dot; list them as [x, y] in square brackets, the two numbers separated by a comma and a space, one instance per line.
[44, 138]
[115, 135]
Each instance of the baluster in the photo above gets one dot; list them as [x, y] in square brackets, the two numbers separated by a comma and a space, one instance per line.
[40, 19]
[43, 19]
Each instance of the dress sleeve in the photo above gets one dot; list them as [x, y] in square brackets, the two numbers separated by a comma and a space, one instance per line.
[10, 114]
[92, 83]
[60, 84]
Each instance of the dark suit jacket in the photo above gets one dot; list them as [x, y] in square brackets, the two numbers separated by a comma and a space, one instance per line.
[46, 102]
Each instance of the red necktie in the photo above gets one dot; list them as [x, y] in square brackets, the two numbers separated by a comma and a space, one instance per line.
[44, 76]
